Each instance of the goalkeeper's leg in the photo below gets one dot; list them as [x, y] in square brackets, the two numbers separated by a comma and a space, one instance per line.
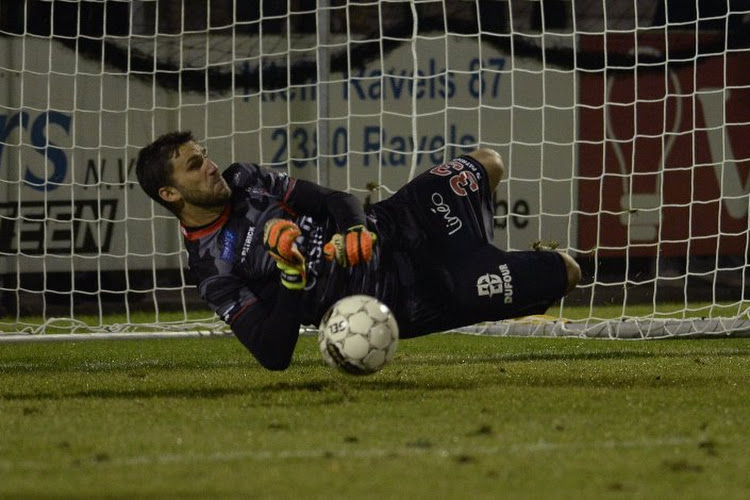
[573, 271]
[489, 284]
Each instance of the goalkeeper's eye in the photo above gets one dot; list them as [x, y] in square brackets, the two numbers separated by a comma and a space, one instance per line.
[195, 163]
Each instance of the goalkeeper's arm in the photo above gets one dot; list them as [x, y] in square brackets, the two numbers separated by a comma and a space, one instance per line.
[353, 243]
[318, 201]
[270, 330]
[268, 327]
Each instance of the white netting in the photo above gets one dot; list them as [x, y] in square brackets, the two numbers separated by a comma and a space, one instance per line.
[623, 126]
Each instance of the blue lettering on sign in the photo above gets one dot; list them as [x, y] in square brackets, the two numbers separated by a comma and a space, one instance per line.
[478, 84]
[483, 77]
[8, 123]
[50, 151]
[380, 147]
[395, 150]
[377, 85]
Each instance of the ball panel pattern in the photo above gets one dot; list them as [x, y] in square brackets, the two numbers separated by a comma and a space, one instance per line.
[358, 335]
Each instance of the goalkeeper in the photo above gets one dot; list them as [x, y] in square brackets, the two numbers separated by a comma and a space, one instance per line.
[270, 253]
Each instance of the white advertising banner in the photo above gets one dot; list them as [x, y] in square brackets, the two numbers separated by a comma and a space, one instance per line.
[70, 130]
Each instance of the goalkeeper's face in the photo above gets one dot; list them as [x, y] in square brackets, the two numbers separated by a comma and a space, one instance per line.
[196, 180]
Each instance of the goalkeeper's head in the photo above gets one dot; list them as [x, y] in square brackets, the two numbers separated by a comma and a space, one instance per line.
[177, 173]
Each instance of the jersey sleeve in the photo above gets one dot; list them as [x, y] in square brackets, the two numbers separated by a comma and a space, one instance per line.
[268, 329]
[250, 176]
[300, 196]
[321, 202]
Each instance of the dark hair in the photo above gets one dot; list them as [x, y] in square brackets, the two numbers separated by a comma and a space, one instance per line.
[154, 165]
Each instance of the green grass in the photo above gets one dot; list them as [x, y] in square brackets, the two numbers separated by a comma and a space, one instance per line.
[453, 416]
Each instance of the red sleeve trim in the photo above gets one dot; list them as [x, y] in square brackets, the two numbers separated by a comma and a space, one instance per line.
[292, 183]
[284, 201]
[242, 309]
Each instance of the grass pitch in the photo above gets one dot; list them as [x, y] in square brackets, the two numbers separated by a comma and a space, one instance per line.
[452, 416]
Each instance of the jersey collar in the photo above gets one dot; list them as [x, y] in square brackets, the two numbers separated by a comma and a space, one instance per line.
[196, 233]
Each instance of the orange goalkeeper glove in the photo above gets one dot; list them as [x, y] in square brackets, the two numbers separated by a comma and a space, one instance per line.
[351, 248]
[279, 237]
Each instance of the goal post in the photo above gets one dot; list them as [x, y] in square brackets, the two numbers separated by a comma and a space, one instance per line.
[623, 126]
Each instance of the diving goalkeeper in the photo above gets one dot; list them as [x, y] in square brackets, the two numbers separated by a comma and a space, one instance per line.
[270, 252]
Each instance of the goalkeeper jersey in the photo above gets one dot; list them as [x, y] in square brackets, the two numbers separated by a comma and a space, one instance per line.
[235, 273]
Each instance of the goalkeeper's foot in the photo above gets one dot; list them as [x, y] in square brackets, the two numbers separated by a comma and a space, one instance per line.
[542, 245]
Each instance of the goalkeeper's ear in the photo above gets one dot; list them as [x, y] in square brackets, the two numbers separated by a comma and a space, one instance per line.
[170, 194]
[172, 199]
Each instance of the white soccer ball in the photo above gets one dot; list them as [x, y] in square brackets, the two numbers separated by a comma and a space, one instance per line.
[358, 335]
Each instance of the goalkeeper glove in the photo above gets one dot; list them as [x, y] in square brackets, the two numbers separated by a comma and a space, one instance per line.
[292, 277]
[351, 248]
[279, 237]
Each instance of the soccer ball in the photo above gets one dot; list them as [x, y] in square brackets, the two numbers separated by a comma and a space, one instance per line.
[358, 335]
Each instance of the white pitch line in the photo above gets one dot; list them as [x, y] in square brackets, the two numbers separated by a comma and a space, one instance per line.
[267, 455]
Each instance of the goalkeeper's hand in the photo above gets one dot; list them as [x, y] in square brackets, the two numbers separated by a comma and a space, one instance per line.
[292, 277]
[352, 247]
[279, 237]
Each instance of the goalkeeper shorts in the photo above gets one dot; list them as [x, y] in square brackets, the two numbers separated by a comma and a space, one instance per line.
[444, 210]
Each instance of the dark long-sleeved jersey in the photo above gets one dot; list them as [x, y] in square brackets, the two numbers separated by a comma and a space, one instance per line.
[238, 278]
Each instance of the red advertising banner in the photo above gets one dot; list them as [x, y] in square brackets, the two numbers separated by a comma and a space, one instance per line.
[664, 151]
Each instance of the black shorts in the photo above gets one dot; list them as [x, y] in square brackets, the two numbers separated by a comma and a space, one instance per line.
[440, 225]
[444, 210]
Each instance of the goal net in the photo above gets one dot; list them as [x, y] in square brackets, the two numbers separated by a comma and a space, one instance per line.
[623, 126]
